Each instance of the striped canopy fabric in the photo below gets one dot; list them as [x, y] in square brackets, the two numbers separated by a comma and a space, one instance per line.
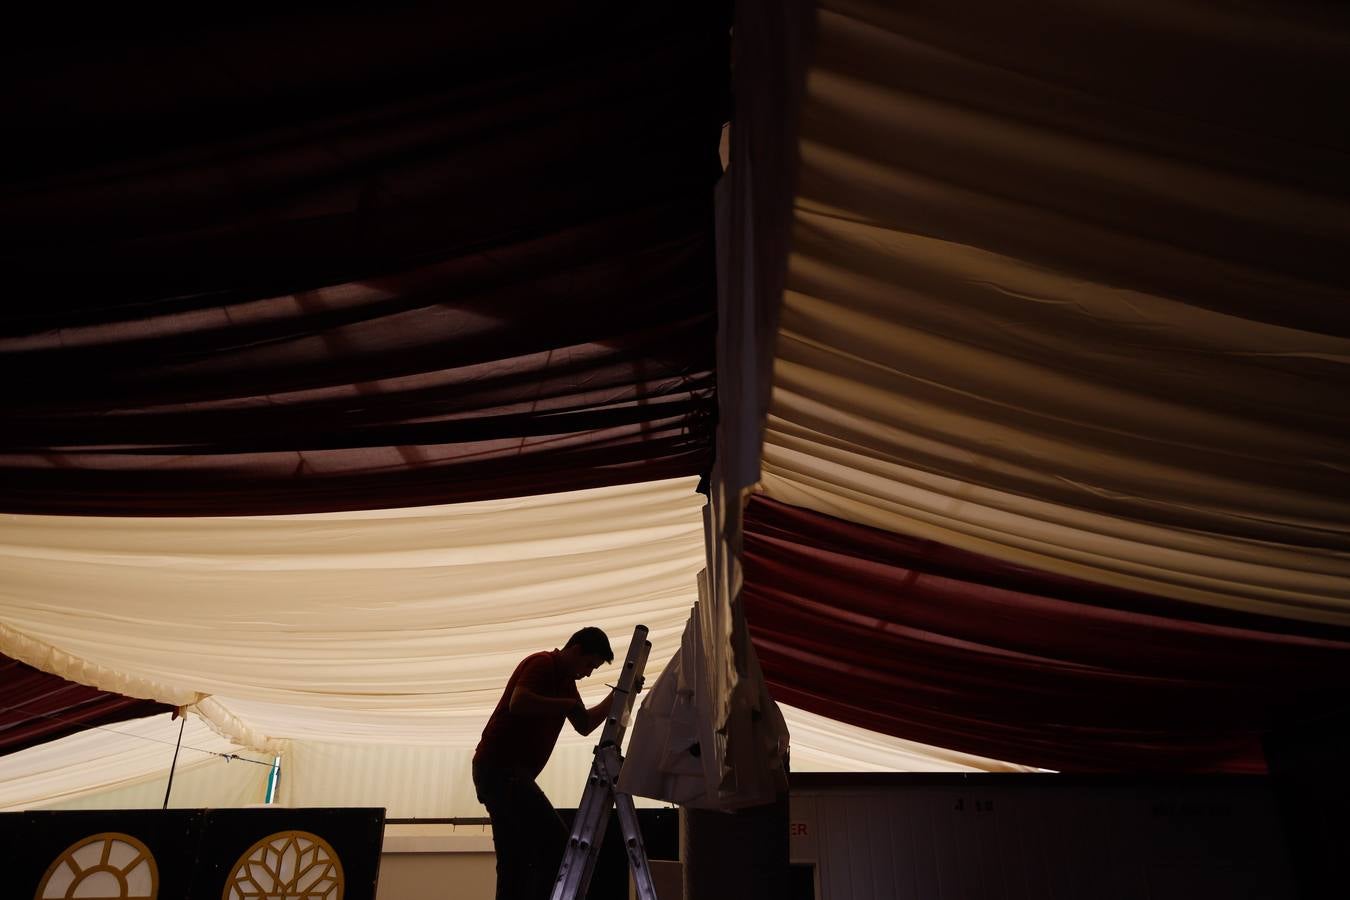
[442, 257]
[1055, 317]
[998, 384]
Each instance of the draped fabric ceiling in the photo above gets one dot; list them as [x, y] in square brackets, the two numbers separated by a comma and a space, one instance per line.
[1066, 305]
[1055, 448]
[351, 261]
[957, 650]
[363, 643]
[302, 263]
[396, 625]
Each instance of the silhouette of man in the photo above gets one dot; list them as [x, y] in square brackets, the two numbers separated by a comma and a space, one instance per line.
[517, 741]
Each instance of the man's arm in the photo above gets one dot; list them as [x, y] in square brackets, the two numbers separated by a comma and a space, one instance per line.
[587, 720]
[525, 702]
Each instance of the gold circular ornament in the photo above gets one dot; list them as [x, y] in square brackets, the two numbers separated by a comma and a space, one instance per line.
[288, 865]
[105, 866]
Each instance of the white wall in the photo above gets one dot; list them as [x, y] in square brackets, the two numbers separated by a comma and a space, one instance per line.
[432, 862]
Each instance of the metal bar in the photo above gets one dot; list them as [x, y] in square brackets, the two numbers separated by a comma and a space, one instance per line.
[173, 765]
[637, 850]
[583, 846]
[452, 820]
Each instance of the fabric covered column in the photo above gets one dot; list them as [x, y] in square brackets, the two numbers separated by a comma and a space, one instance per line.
[741, 854]
[1307, 767]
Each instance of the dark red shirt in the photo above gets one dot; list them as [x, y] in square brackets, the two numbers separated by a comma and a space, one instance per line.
[522, 744]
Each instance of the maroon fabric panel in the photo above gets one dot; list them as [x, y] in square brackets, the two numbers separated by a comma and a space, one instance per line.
[926, 642]
[360, 261]
[36, 707]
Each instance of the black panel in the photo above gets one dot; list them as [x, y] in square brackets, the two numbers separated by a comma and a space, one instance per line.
[1307, 767]
[36, 839]
[355, 835]
[194, 849]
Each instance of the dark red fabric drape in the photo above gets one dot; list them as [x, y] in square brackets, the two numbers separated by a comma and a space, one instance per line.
[303, 264]
[36, 707]
[926, 642]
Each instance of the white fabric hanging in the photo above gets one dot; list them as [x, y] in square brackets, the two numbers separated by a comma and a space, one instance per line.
[388, 626]
[825, 745]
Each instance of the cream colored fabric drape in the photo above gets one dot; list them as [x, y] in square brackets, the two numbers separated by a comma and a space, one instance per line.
[385, 626]
[680, 753]
[1030, 315]
[824, 745]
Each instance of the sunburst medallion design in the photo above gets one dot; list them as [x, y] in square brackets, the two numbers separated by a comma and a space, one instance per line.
[105, 866]
[288, 865]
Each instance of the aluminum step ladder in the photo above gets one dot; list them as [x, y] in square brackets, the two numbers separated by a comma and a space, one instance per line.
[588, 830]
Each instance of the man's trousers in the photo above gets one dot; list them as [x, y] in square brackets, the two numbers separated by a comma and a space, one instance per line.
[527, 831]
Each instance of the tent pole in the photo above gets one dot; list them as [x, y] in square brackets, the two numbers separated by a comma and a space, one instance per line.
[174, 764]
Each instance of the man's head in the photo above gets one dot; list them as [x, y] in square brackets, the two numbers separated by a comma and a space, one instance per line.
[586, 650]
